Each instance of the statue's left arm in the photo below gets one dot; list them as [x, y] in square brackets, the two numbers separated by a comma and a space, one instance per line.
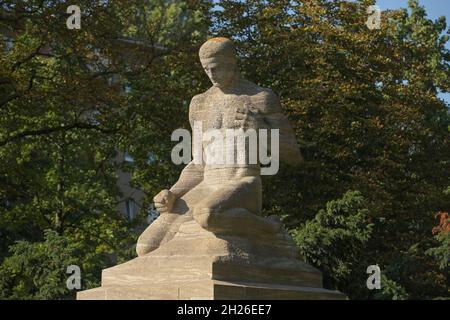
[273, 118]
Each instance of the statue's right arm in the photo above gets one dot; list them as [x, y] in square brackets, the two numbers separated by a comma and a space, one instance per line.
[192, 174]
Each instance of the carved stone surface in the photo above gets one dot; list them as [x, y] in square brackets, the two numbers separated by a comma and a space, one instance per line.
[197, 264]
[210, 241]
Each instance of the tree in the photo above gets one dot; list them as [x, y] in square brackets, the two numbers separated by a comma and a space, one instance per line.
[37, 270]
[364, 104]
[441, 251]
[335, 241]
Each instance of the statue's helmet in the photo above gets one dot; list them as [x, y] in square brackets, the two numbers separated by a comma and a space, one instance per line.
[219, 48]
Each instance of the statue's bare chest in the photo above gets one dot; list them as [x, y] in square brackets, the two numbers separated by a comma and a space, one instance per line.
[227, 112]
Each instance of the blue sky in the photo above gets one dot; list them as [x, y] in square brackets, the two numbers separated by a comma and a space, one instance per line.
[434, 8]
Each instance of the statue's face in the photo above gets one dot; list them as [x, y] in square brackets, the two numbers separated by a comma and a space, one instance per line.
[222, 73]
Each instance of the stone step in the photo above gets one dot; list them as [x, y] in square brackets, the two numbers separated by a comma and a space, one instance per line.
[150, 270]
[260, 291]
[208, 290]
[269, 275]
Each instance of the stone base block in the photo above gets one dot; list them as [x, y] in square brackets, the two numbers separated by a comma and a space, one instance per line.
[210, 290]
[196, 264]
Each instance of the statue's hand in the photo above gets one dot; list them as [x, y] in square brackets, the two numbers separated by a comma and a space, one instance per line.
[164, 201]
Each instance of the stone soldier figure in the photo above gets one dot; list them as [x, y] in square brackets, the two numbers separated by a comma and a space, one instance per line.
[210, 241]
[223, 198]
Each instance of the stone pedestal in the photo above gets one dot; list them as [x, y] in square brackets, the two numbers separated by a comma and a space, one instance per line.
[196, 264]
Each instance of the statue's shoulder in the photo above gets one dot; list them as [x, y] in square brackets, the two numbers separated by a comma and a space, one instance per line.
[253, 91]
[198, 99]
[197, 103]
[265, 99]
[197, 106]
[266, 95]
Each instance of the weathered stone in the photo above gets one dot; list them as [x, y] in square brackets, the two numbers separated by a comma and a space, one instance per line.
[210, 241]
[197, 264]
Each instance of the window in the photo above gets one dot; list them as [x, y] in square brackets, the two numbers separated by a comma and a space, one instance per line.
[152, 215]
[151, 158]
[127, 87]
[9, 43]
[132, 209]
[128, 157]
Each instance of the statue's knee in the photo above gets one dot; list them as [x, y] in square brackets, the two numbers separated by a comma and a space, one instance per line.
[142, 249]
[150, 239]
[148, 242]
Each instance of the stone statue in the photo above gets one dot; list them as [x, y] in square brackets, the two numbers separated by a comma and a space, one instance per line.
[210, 241]
[222, 198]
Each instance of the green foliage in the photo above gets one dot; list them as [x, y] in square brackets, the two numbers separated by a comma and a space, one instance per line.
[364, 104]
[37, 270]
[390, 290]
[441, 252]
[335, 239]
